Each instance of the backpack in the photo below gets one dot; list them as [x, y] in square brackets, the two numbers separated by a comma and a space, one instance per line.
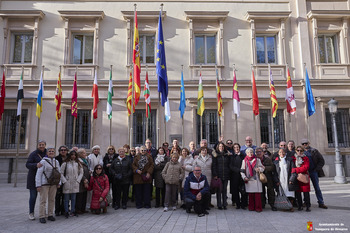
[55, 176]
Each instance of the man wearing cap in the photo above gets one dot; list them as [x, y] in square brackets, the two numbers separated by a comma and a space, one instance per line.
[315, 169]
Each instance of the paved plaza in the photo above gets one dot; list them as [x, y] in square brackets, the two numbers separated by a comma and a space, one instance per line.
[14, 216]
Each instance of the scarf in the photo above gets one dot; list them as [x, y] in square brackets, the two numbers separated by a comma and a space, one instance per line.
[247, 160]
[85, 161]
[142, 162]
[159, 159]
[283, 161]
[120, 158]
[299, 160]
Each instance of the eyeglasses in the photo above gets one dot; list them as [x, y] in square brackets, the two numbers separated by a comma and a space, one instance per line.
[63, 150]
[229, 143]
[99, 168]
[283, 145]
[300, 150]
[143, 150]
[305, 143]
[110, 149]
[132, 150]
[51, 151]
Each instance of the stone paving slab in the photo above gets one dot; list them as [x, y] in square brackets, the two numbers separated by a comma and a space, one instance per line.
[14, 216]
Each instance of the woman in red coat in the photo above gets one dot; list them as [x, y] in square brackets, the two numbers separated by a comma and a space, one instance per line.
[99, 185]
[302, 166]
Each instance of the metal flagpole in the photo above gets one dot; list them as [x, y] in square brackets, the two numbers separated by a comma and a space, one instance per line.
[182, 120]
[74, 119]
[201, 118]
[38, 129]
[18, 140]
[147, 118]
[57, 120]
[132, 106]
[110, 120]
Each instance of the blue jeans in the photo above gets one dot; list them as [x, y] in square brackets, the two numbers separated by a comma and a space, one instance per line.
[315, 183]
[72, 197]
[33, 193]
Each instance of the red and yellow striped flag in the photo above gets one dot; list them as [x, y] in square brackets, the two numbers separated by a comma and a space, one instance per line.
[58, 97]
[129, 97]
[136, 62]
[273, 95]
[218, 94]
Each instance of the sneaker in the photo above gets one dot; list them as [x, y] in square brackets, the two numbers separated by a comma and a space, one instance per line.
[165, 209]
[201, 215]
[323, 206]
[174, 207]
[31, 216]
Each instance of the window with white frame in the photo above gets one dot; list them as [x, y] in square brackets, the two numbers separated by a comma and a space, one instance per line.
[266, 49]
[343, 127]
[147, 49]
[83, 48]
[22, 47]
[327, 47]
[205, 49]
[9, 129]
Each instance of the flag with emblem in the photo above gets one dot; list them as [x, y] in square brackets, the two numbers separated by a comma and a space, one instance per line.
[110, 95]
[200, 98]
[2, 94]
[58, 97]
[136, 62]
[235, 96]
[147, 95]
[129, 97]
[182, 106]
[20, 96]
[290, 99]
[218, 94]
[94, 94]
[74, 104]
[39, 100]
[273, 96]
[255, 96]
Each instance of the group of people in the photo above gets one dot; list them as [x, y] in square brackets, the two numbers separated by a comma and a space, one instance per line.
[73, 181]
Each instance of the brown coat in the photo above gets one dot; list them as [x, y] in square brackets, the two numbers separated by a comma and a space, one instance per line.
[173, 173]
[147, 169]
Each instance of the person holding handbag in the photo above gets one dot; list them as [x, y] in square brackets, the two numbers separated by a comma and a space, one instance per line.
[301, 169]
[221, 170]
[251, 166]
[99, 184]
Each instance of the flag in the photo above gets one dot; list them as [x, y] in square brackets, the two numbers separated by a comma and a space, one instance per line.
[2, 95]
[255, 96]
[136, 62]
[161, 70]
[58, 97]
[235, 96]
[309, 95]
[290, 99]
[39, 100]
[74, 104]
[182, 97]
[129, 97]
[273, 95]
[218, 94]
[20, 96]
[200, 99]
[109, 97]
[94, 94]
[147, 95]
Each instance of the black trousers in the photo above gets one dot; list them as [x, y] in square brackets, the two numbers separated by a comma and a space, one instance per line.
[143, 195]
[221, 195]
[199, 206]
[59, 201]
[122, 192]
[300, 200]
[80, 203]
[270, 194]
[160, 191]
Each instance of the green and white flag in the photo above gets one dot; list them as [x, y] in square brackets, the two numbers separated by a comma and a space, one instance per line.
[109, 98]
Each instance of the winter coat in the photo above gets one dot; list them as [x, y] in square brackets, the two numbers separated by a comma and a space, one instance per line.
[34, 158]
[41, 178]
[93, 161]
[147, 169]
[121, 169]
[268, 171]
[235, 168]
[97, 191]
[205, 164]
[157, 174]
[152, 152]
[72, 173]
[193, 186]
[86, 176]
[221, 165]
[173, 173]
[317, 160]
[254, 184]
[291, 177]
[187, 164]
[304, 168]
[108, 160]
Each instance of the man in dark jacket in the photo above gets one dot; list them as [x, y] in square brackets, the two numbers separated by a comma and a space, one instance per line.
[315, 170]
[196, 191]
[33, 163]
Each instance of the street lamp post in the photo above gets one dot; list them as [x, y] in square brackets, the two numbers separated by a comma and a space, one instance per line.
[339, 174]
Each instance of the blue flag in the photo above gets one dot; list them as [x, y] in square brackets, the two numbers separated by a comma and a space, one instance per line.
[182, 97]
[310, 97]
[161, 64]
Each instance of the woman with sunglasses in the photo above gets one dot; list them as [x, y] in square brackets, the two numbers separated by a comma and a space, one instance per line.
[108, 159]
[142, 169]
[302, 166]
[99, 185]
